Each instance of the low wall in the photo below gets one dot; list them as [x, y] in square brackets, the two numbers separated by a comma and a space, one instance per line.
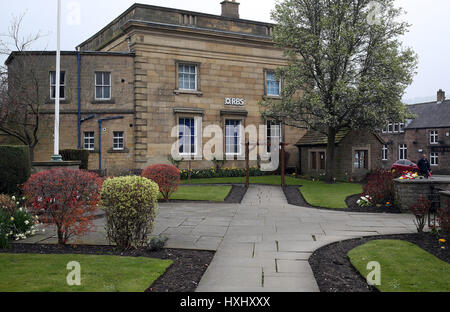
[42, 166]
[407, 192]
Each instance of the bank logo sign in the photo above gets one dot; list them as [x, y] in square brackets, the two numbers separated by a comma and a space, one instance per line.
[234, 102]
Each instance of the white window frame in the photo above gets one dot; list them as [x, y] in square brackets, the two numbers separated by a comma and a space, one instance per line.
[385, 152]
[390, 128]
[195, 135]
[275, 132]
[118, 138]
[434, 159]
[53, 85]
[89, 141]
[103, 85]
[402, 127]
[396, 127]
[196, 76]
[403, 151]
[267, 81]
[240, 138]
[434, 137]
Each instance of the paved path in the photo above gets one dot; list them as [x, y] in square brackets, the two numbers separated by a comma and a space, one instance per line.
[262, 244]
[268, 243]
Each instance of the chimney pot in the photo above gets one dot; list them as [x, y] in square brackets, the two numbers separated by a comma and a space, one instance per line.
[440, 96]
[230, 9]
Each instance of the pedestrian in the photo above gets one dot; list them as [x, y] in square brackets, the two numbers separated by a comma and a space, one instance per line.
[424, 166]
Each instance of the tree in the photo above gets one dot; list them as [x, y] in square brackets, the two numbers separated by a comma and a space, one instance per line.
[20, 94]
[346, 66]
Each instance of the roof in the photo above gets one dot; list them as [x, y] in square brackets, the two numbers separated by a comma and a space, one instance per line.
[430, 115]
[99, 53]
[163, 16]
[312, 138]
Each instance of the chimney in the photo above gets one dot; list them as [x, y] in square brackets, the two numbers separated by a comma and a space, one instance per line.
[230, 9]
[440, 96]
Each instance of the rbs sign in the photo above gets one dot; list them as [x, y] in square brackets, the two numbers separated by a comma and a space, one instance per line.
[234, 102]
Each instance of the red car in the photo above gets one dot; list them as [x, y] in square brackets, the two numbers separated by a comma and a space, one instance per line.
[405, 165]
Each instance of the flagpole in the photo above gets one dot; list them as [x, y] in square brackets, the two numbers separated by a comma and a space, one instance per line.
[56, 156]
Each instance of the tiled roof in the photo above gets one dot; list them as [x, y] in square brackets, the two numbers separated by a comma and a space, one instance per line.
[317, 138]
[430, 115]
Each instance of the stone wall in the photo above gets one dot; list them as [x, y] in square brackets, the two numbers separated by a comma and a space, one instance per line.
[407, 192]
[445, 198]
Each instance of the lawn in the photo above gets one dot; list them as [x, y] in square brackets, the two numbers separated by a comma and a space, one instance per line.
[316, 193]
[320, 194]
[268, 180]
[404, 266]
[47, 273]
[202, 193]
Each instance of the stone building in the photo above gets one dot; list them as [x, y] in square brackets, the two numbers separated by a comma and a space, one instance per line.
[159, 70]
[356, 154]
[428, 133]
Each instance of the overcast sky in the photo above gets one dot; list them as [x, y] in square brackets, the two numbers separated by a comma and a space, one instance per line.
[428, 35]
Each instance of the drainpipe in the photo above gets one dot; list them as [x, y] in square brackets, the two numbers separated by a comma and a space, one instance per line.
[79, 99]
[100, 121]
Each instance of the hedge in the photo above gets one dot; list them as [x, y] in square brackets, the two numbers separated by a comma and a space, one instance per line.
[76, 155]
[15, 168]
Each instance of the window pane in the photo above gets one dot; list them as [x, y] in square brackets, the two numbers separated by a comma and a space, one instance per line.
[53, 78]
[98, 79]
[106, 92]
[99, 92]
[107, 79]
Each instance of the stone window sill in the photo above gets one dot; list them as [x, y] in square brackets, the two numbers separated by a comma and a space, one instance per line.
[61, 101]
[197, 93]
[272, 97]
[124, 151]
[111, 101]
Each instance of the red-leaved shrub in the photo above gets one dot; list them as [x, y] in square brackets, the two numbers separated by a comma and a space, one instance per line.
[420, 211]
[166, 176]
[68, 199]
[380, 187]
[444, 217]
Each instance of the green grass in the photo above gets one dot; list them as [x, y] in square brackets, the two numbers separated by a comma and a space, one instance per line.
[404, 266]
[317, 193]
[47, 273]
[202, 193]
[269, 180]
[320, 194]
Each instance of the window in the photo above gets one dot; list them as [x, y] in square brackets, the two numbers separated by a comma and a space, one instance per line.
[62, 87]
[384, 152]
[273, 134]
[396, 127]
[403, 152]
[361, 160]
[384, 130]
[188, 136]
[89, 141]
[273, 86]
[390, 127]
[118, 141]
[102, 86]
[434, 135]
[233, 135]
[187, 77]
[434, 159]
[402, 127]
[318, 160]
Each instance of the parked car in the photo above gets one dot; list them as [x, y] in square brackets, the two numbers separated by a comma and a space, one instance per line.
[405, 165]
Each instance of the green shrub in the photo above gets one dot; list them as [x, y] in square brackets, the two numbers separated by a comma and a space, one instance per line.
[222, 173]
[131, 207]
[77, 155]
[15, 168]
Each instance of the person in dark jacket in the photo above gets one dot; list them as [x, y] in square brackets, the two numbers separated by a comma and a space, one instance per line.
[424, 166]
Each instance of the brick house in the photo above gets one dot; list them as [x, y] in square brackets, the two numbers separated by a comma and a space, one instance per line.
[356, 154]
[428, 133]
[157, 69]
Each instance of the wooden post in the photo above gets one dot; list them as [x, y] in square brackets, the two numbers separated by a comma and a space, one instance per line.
[283, 166]
[247, 164]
